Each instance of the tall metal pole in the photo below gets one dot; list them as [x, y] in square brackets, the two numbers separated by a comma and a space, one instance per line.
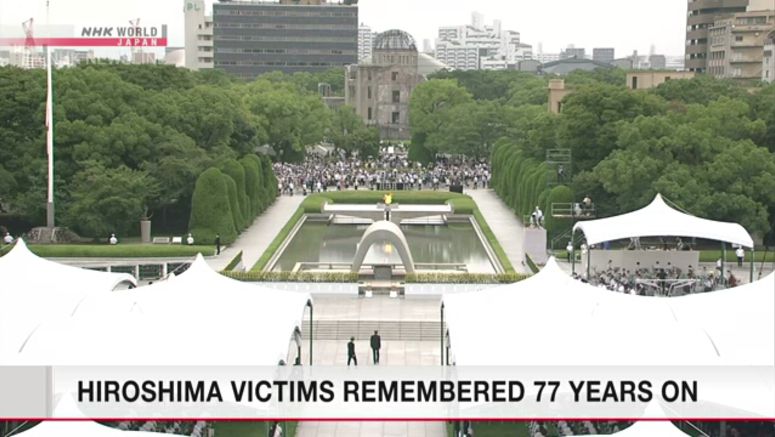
[442, 333]
[753, 252]
[309, 303]
[50, 221]
[50, 217]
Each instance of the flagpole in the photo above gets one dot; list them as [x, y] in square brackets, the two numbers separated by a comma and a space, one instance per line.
[50, 221]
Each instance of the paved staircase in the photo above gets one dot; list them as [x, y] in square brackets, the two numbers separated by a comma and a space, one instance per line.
[363, 329]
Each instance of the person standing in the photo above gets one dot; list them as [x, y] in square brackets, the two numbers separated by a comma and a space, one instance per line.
[8, 239]
[740, 252]
[569, 249]
[113, 240]
[351, 358]
[376, 345]
[218, 244]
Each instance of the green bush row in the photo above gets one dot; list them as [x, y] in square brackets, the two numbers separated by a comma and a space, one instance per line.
[258, 276]
[117, 251]
[227, 199]
[463, 278]
[521, 182]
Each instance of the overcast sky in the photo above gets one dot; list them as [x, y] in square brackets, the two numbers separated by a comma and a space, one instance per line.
[626, 25]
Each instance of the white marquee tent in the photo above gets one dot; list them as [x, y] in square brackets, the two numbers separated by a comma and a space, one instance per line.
[82, 428]
[197, 318]
[551, 319]
[658, 219]
[35, 290]
[650, 428]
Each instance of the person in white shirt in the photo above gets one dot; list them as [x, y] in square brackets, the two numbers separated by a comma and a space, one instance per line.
[740, 252]
[8, 239]
[113, 240]
[190, 240]
[569, 249]
[539, 217]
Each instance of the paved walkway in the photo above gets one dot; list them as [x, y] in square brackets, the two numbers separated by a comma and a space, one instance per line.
[504, 224]
[393, 353]
[254, 241]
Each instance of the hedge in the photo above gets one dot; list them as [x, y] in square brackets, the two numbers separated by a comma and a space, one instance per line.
[556, 226]
[270, 181]
[463, 278]
[258, 276]
[253, 186]
[236, 212]
[118, 251]
[233, 169]
[211, 210]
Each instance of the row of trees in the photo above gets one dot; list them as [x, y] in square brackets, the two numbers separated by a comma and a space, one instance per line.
[228, 198]
[705, 144]
[131, 140]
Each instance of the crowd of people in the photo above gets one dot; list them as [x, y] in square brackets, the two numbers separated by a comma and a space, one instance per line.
[660, 279]
[391, 171]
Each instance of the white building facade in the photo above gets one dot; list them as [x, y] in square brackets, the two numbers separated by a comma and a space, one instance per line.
[199, 36]
[480, 46]
[768, 60]
[365, 42]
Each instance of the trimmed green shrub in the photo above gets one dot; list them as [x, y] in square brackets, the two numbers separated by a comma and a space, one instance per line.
[270, 181]
[252, 186]
[262, 198]
[211, 210]
[556, 226]
[231, 189]
[233, 169]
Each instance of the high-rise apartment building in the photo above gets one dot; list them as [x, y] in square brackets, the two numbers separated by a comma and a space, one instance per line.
[365, 42]
[700, 17]
[256, 37]
[736, 45]
[199, 35]
[604, 55]
[480, 46]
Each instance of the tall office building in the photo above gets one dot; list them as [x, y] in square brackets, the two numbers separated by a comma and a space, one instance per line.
[199, 35]
[365, 42]
[700, 17]
[604, 55]
[480, 46]
[256, 37]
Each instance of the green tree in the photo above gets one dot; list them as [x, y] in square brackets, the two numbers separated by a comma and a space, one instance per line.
[426, 112]
[252, 185]
[105, 201]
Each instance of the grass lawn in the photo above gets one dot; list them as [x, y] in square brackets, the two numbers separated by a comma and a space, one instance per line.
[495, 429]
[117, 251]
[313, 204]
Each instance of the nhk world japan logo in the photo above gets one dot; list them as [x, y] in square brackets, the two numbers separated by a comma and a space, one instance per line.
[87, 36]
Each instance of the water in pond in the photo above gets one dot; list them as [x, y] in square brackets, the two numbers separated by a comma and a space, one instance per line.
[451, 243]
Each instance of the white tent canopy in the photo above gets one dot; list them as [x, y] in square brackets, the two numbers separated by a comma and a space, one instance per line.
[551, 319]
[67, 408]
[35, 290]
[660, 220]
[197, 318]
[650, 428]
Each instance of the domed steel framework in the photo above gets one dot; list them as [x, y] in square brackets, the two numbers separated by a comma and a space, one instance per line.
[394, 40]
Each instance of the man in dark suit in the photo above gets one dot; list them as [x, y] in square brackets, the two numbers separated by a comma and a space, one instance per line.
[351, 352]
[376, 345]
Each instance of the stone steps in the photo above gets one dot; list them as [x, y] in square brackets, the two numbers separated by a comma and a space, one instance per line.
[363, 329]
